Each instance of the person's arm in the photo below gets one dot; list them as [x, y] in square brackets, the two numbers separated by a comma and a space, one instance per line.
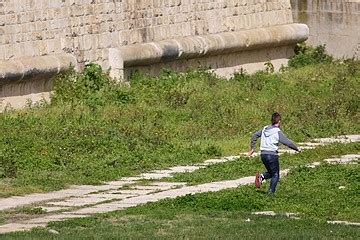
[287, 142]
[254, 137]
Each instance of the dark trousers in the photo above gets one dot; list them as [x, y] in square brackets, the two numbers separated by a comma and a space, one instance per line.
[271, 163]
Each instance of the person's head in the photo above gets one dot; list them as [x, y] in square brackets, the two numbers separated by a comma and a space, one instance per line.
[275, 118]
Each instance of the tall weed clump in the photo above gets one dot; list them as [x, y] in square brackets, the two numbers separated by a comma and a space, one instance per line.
[93, 87]
[308, 55]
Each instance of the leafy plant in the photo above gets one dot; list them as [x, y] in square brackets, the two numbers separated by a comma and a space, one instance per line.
[269, 67]
[307, 55]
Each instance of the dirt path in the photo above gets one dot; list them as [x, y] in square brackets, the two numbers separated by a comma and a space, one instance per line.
[85, 200]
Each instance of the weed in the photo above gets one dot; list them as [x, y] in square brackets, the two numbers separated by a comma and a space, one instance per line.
[32, 210]
[307, 55]
[269, 67]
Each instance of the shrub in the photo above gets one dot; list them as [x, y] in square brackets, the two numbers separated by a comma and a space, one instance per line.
[92, 87]
[307, 55]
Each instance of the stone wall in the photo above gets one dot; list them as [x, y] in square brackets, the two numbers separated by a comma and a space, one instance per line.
[89, 29]
[335, 23]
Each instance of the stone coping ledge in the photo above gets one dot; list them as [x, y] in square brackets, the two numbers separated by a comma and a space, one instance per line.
[201, 46]
[34, 68]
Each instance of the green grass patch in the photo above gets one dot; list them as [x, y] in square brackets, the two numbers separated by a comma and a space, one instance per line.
[96, 130]
[210, 225]
[312, 193]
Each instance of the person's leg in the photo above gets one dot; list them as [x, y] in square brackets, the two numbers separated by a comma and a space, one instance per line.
[275, 172]
[265, 158]
[260, 177]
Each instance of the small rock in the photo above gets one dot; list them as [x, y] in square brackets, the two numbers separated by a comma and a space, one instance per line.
[247, 220]
[53, 231]
[342, 187]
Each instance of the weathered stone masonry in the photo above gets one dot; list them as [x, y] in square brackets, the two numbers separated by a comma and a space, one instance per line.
[335, 23]
[39, 38]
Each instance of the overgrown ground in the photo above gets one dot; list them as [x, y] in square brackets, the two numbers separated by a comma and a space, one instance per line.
[95, 130]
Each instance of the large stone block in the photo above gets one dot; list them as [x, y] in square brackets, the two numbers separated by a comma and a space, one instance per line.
[199, 46]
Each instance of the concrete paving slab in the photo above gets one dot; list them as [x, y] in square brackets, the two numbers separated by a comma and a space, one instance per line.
[103, 208]
[133, 179]
[215, 161]
[152, 176]
[222, 160]
[12, 227]
[272, 213]
[95, 188]
[135, 192]
[173, 193]
[79, 201]
[158, 174]
[110, 196]
[313, 165]
[169, 184]
[306, 147]
[54, 218]
[282, 151]
[17, 201]
[340, 139]
[265, 213]
[120, 183]
[311, 144]
[233, 158]
[343, 159]
[153, 188]
[75, 191]
[53, 209]
[344, 223]
[183, 169]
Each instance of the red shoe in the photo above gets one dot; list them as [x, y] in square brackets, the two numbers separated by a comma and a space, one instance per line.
[258, 180]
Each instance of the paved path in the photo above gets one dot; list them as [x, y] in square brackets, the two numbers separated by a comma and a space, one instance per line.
[84, 200]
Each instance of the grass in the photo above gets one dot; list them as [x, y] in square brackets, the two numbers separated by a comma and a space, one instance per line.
[245, 166]
[214, 225]
[96, 130]
[312, 193]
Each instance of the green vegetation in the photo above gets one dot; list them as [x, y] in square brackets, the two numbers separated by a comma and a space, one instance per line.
[307, 55]
[96, 130]
[313, 194]
[246, 166]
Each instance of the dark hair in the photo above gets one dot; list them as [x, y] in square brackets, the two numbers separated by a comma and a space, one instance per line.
[275, 118]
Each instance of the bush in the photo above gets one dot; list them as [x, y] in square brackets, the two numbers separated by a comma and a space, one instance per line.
[93, 87]
[307, 55]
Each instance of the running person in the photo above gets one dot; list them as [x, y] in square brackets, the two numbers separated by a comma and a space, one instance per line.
[271, 136]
